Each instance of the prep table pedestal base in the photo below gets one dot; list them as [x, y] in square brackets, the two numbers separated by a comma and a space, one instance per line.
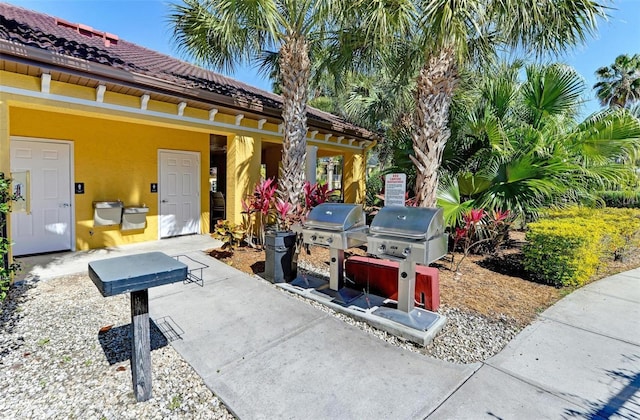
[141, 348]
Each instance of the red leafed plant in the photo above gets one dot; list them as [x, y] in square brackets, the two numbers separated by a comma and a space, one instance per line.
[283, 211]
[259, 204]
[315, 194]
[263, 205]
[480, 228]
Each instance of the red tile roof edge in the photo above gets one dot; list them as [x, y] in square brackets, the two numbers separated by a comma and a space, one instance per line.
[39, 30]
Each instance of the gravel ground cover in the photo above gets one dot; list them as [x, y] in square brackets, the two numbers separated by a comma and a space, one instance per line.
[55, 363]
[467, 337]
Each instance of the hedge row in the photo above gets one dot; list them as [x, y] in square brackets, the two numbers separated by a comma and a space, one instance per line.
[567, 247]
[621, 199]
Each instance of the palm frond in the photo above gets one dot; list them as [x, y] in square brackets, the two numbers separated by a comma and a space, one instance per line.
[448, 198]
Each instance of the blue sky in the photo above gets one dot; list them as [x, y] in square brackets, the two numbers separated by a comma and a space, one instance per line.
[144, 22]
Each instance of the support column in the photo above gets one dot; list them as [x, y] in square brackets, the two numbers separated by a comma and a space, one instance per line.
[5, 164]
[336, 269]
[140, 345]
[406, 286]
[4, 136]
[311, 164]
[330, 166]
[243, 172]
[353, 178]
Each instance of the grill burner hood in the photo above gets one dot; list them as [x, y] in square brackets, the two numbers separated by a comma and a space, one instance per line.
[417, 223]
[335, 217]
[414, 234]
[337, 226]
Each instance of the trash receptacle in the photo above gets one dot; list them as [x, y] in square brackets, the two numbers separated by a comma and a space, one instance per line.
[279, 250]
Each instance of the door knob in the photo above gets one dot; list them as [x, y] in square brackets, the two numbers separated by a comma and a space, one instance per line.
[164, 201]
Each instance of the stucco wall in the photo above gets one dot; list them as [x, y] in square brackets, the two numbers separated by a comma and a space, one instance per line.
[115, 160]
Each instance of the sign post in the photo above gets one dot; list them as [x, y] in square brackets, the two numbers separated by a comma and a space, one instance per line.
[395, 187]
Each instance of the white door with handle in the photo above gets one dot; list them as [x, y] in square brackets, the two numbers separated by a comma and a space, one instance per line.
[46, 224]
[179, 192]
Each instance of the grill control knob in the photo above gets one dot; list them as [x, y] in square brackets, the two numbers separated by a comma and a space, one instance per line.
[382, 248]
[314, 237]
[329, 240]
[406, 251]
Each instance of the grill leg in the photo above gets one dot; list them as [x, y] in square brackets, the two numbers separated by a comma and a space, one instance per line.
[406, 286]
[336, 268]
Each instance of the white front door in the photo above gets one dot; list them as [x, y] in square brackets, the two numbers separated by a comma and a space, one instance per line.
[179, 193]
[47, 226]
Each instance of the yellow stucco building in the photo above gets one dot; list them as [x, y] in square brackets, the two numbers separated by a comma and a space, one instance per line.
[88, 118]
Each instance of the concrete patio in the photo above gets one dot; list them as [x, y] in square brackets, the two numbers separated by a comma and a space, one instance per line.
[269, 355]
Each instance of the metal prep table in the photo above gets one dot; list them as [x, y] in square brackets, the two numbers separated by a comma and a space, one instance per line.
[136, 274]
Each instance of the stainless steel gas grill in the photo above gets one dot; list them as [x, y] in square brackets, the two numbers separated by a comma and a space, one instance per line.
[338, 227]
[409, 235]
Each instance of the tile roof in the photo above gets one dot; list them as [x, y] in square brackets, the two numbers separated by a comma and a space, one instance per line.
[44, 32]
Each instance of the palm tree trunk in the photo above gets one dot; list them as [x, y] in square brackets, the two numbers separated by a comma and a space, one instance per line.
[434, 92]
[295, 72]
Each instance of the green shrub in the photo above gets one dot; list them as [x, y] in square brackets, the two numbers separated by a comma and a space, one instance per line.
[622, 227]
[374, 186]
[7, 267]
[621, 199]
[566, 247]
[563, 252]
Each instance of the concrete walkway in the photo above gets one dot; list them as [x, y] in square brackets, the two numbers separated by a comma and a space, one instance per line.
[268, 355]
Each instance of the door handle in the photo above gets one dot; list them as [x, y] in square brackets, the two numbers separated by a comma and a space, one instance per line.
[164, 201]
[66, 205]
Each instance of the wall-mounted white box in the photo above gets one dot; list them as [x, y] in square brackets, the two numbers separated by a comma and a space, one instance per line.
[134, 218]
[107, 213]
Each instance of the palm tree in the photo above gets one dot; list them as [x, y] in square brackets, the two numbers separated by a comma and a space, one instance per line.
[533, 151]
[227, 33]
[293, 41]
[619, 84]
[450, 34]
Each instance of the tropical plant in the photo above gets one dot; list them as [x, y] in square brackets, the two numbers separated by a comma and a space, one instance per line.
[226, 33]
[7, 268]
[481, 230]
[283, 211]
[619, 84]
[256, 210]
[231, 235]
[448, 35]
[315, 194]
[263, 208]
[518, 146]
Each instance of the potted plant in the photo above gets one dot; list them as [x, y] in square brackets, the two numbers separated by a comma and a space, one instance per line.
[280, 246]
[282, 243]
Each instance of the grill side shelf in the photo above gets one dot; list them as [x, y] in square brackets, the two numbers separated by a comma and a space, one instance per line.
[194, 270]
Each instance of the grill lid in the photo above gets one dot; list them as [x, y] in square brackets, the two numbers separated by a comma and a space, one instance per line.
[335, 216]
[408, 222]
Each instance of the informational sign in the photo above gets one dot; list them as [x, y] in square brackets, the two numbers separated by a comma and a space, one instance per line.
[395, 187]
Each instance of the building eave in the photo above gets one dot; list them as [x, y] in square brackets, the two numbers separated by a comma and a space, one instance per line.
[49, 61]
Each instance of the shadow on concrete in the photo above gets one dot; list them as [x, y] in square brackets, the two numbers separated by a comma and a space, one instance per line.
[625, 404]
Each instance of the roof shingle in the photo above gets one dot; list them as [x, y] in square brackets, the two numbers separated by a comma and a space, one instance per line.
[45, 32]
